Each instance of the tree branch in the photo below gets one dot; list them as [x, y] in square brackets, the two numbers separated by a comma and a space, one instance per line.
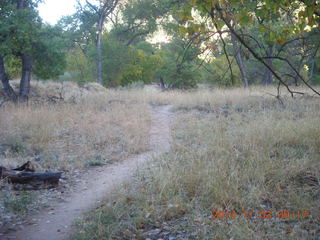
[296, 72]
[256, 56]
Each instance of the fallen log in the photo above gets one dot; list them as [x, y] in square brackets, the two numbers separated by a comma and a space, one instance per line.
[25, 167]
[25, 175]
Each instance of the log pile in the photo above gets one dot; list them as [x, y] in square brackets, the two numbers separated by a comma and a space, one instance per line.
[26, 175]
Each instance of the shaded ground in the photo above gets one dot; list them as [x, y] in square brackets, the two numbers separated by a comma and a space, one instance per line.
[95, 185]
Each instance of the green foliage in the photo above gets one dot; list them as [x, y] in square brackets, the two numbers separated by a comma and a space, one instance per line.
[140, 19]
[80, 28]
[270, 28]
[48, 54]
[13, 66]
[128, 64]
[18, 29]
[179, 69]
[216, 72]
[22, 32]
[305, 14]
[79, 66]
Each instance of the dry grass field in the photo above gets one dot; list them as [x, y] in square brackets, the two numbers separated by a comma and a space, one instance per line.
[88, 126]
[235, 150]
[93, 127]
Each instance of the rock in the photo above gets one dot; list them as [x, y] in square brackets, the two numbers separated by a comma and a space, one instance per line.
[172, 238]
[153, 232]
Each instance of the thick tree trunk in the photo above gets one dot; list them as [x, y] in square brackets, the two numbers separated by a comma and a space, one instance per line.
[99, 51]
[26, 63]
[238, 56]
[267, 78]
[5, 82]
[25, 78]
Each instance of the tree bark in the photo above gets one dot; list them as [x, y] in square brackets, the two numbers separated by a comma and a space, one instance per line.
[267, 78]
[313, 64]
[5, 82]
[162, 84]
[25, 174]
[25, 78]
[103, 10]
[21, 4]
[99, 50]
[238, 56]
[26, 63]
[26, 177]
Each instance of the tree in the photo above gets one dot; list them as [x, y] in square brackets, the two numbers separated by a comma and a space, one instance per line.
[239, 60]
[23, 36]
[102, 9]
[225, 14]
[129, 63]
[179, 64]
[121, 43]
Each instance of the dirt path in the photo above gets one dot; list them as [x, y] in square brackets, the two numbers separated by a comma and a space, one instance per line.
[95, 186]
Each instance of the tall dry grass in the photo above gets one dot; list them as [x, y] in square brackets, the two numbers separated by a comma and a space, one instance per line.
[66, 127]
[91, 128]
[233, 150]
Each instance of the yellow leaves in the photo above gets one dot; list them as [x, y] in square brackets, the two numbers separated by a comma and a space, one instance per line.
[244, 19]
[202, 28]
[281, 40]
[182, 31]
[192, 29]
[224, 15]
[193, 2]
[262, 28]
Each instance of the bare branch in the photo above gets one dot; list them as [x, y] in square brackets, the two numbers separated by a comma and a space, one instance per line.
[296, 72]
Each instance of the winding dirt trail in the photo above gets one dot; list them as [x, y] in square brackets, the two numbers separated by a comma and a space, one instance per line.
[96, 185]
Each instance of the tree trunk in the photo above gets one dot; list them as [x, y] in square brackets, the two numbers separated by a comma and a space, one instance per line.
[267, 78]
[25, 78]
[238, 56]
[162, 84]
[99, 50]
[313, 63]
[5, 82]
[26, 63]
[21, 4]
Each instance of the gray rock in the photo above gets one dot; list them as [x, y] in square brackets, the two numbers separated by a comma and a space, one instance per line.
[153, 232]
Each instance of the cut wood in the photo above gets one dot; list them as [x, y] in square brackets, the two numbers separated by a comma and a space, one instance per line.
[26, 175]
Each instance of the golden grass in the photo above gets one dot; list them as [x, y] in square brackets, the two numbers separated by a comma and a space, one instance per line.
[95, 128]
[233, 150]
